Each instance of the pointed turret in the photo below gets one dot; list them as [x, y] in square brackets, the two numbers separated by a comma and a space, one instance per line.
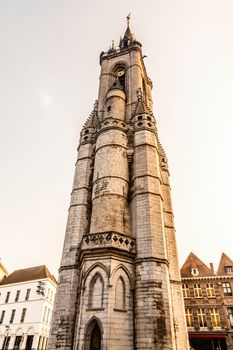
[128, 37]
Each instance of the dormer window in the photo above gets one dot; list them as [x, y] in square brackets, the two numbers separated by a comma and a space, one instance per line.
[228, 269]
[194, 271]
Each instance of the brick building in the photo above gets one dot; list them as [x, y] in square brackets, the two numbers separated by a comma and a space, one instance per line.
[119, 281]
[208, 298]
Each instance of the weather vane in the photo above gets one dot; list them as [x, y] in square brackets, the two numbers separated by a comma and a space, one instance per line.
[128, 19]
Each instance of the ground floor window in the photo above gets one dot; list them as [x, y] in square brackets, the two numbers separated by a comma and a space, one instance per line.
[6, 343]
[29, 342]
[208, 344]
[17, 342]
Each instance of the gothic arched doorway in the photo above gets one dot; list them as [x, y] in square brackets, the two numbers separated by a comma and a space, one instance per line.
[95, 341]
[93, 335]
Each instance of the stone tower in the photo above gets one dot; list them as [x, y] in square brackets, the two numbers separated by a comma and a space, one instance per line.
[119, 282]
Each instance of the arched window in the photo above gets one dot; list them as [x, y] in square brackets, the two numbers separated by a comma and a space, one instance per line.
[96, 291]
[120, 73]
[120, 294]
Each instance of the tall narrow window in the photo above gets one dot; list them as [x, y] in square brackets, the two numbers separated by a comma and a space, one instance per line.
[39, 343]
[45, 312]
[230, 315]
[96, 292]
[12, 316]
[210, 290]
[201, 318]
[186, 291]
[189, 317]
[2, 316]
[23, 315]
[6, 343]
[120, 294]
[226, 288]
[197, 290]
[7, 297]
[48, 314]
[18, 340]
[17, 295]
[215, 318]
[27, 294]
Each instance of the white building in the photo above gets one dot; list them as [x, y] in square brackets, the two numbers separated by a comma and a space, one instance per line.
[26, 305]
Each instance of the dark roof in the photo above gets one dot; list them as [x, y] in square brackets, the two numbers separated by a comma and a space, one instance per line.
[224, 262]
[30, 274]
[193, 261]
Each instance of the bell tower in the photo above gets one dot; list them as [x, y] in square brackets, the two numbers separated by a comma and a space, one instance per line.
[119, 283]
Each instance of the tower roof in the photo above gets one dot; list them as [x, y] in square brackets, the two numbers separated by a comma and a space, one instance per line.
[141, 106]
[93, 120]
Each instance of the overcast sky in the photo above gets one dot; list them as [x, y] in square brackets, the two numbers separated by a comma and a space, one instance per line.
[49, 71]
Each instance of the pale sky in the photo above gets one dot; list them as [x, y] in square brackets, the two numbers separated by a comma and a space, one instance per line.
[49, 71]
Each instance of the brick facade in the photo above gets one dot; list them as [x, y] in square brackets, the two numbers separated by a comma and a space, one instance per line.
[208, 298]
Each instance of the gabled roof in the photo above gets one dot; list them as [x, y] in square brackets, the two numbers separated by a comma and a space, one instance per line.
[224, 261]
[29, 274]
[193, 261]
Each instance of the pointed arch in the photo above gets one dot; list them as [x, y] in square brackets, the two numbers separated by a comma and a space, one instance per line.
[93, 334]
[96, 291]
[98, 264]
[121, 266]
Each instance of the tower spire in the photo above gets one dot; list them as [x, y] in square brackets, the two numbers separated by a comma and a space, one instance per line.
[128, 37]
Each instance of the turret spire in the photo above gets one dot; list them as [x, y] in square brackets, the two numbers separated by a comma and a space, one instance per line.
[128, 38]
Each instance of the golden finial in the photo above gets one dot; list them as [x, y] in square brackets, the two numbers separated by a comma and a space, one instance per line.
[128, 19]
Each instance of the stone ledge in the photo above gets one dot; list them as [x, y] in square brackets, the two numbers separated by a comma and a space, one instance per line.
[108, 239]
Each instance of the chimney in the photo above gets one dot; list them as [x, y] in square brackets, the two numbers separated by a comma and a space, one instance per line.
[212, 267]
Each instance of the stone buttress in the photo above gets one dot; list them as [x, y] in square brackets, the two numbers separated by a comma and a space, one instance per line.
[119, 283]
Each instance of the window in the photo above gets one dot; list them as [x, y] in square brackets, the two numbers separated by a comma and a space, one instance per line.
[109, 108]
[18, 340]
[120, 294]
[6, 343]
[96, 291]
[189, 317]
[194, 271]
[2, 316]
[230, 315]
[17, 295]
[45, 311]
[186, 292]
[12, 316]
[197, 290]
[215, 318]
[48, 313]
[210, 290]
[7, 297]
[226, 288]
[228, 269]
[27, 294]
[51, 296]
[201, 318]
[23, 315]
